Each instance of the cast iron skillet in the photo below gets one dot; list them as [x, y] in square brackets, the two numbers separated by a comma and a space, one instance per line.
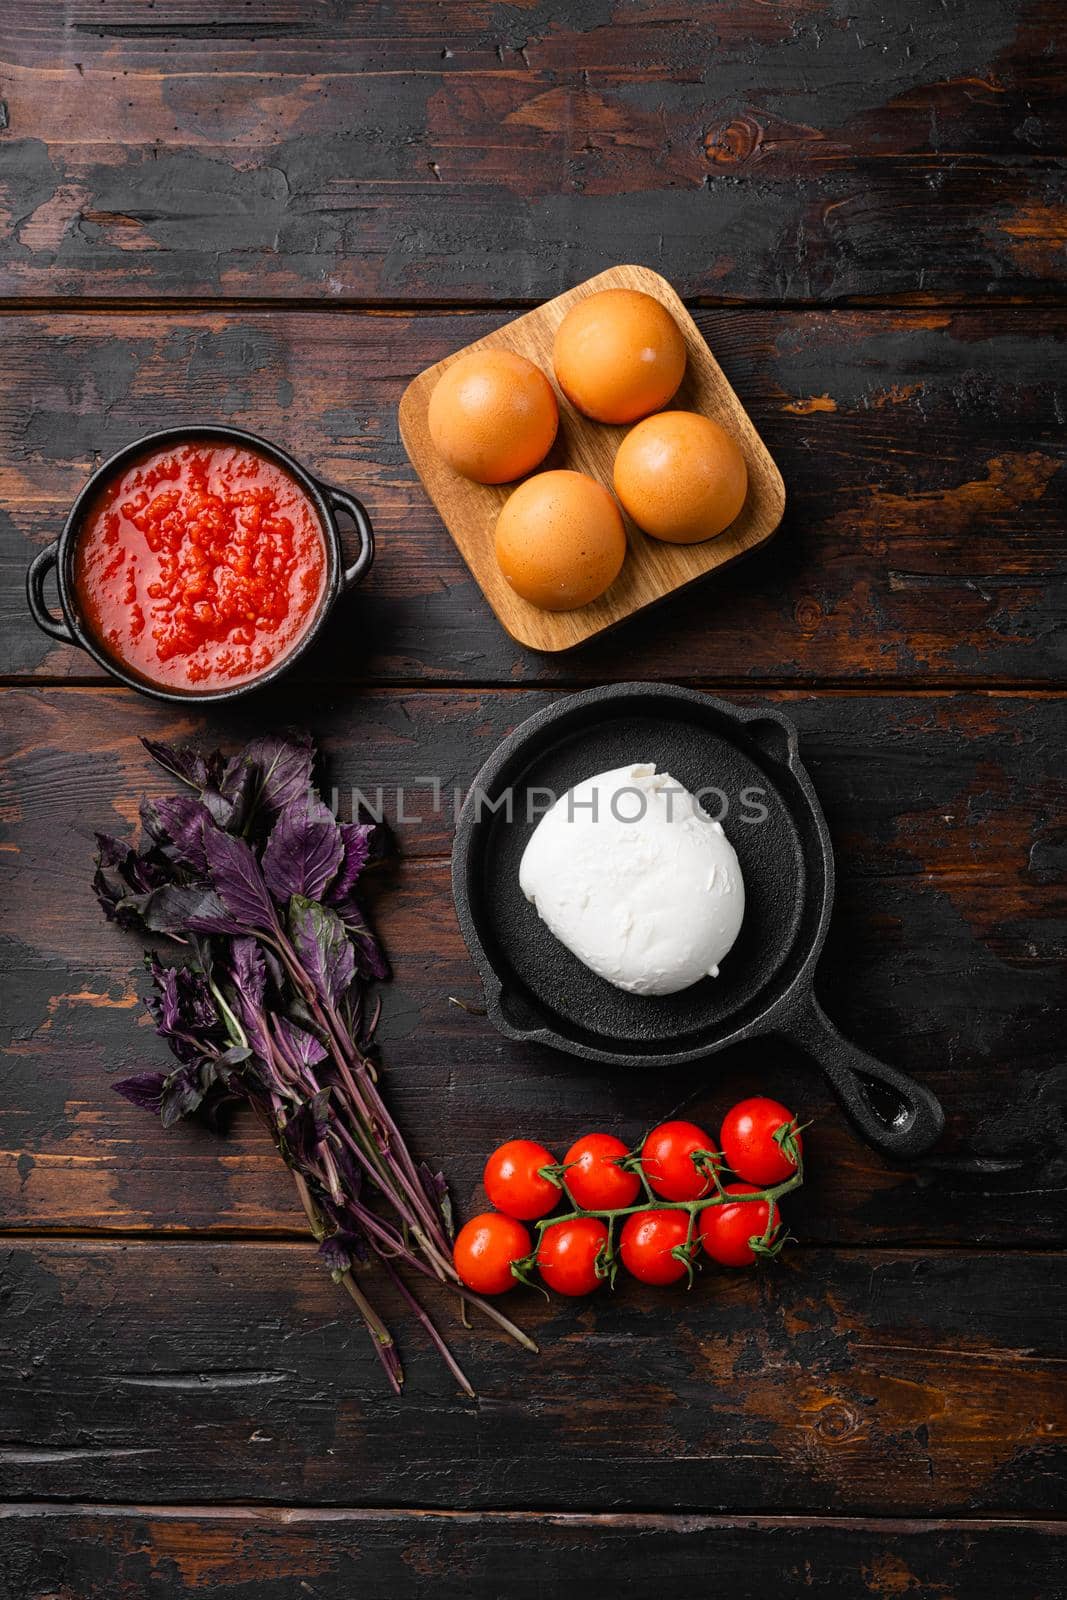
[537, 991]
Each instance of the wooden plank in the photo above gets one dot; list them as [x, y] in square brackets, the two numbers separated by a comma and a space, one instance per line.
[500, 150]
[110, 1552]
[944, 957]
[922, 455]
[846, 1382]
[653, 569]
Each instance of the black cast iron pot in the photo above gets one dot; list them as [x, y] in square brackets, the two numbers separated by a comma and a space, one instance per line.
[537, 991]
[327, 500]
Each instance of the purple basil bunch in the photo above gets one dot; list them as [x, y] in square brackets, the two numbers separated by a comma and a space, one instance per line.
[251, 872]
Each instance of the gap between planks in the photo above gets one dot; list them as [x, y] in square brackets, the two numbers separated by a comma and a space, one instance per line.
[283, 1512]
[175, 305]
[1032, 689]
[294, 1239]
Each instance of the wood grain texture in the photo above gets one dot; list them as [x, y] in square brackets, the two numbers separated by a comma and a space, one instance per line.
[945, 956]
[908, 1357]
[117, 1552]
[922, 455]
[653, 570]
[844, 1381]
[493, 149]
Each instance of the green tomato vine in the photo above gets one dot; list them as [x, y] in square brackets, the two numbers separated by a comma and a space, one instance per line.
[766, 1246]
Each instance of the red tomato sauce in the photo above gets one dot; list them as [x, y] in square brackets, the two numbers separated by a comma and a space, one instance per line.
[200, 566]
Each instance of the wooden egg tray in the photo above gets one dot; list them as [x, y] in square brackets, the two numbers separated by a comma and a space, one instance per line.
[652, 568]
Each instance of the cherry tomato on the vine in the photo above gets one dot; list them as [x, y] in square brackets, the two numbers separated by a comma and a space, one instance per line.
[514, 1183]
[569, 1257]
[725, 1230]
[594, 1179]
[484, 1250]
[749, 1145]
[666, 1156]
[646, 1242]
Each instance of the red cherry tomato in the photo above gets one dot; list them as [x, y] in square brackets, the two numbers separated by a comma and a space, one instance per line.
[646, 1242]
[725, 1230]
[666, 1156]
[484, 1250]
[514, 1183]
[569, 1255]
[748, 1141]
[592, 1176]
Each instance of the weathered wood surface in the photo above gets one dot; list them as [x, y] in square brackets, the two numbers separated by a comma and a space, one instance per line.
[945, 957]
[119, 1552]
[908, 1357]
[844, 1382]
[922, 454]
[401, 151]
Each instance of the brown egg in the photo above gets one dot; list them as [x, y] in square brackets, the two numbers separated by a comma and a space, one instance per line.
[560, 540]
[493, 415]
[618, 355]
[681, 477]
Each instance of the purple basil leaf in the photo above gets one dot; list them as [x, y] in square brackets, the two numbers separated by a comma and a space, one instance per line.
[110, 852]
[185, 764]
[144, 1089]
[182, 999]
[248, 976]
[175, 822]
[323, 947]
[145, 875]
[226, 1065]
[436, 1187]
[230, 805]
[113, 897]
[335, 1253]
[201, 948]
[182, 1094]
[236, 875]
[125, 881]
[297, 1011]
[357, 838]
[214, 1109]
[307, 1126]
[164, 1006]
[284, 769]
[275, 972]
[233, 1057]
[370, 959]
[124, 870]
[341, 1248]
[299, 1044]
[303, 852]
[248, 971]
[241, 789]
[175, 909]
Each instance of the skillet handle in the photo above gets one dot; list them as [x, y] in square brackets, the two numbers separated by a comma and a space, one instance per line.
[899, 1117]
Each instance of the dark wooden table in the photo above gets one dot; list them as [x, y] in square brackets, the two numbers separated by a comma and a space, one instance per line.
[276, 218]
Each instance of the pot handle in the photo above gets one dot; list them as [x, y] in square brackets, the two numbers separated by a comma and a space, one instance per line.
[40, 567]
[339, 500]
[899, 1117]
